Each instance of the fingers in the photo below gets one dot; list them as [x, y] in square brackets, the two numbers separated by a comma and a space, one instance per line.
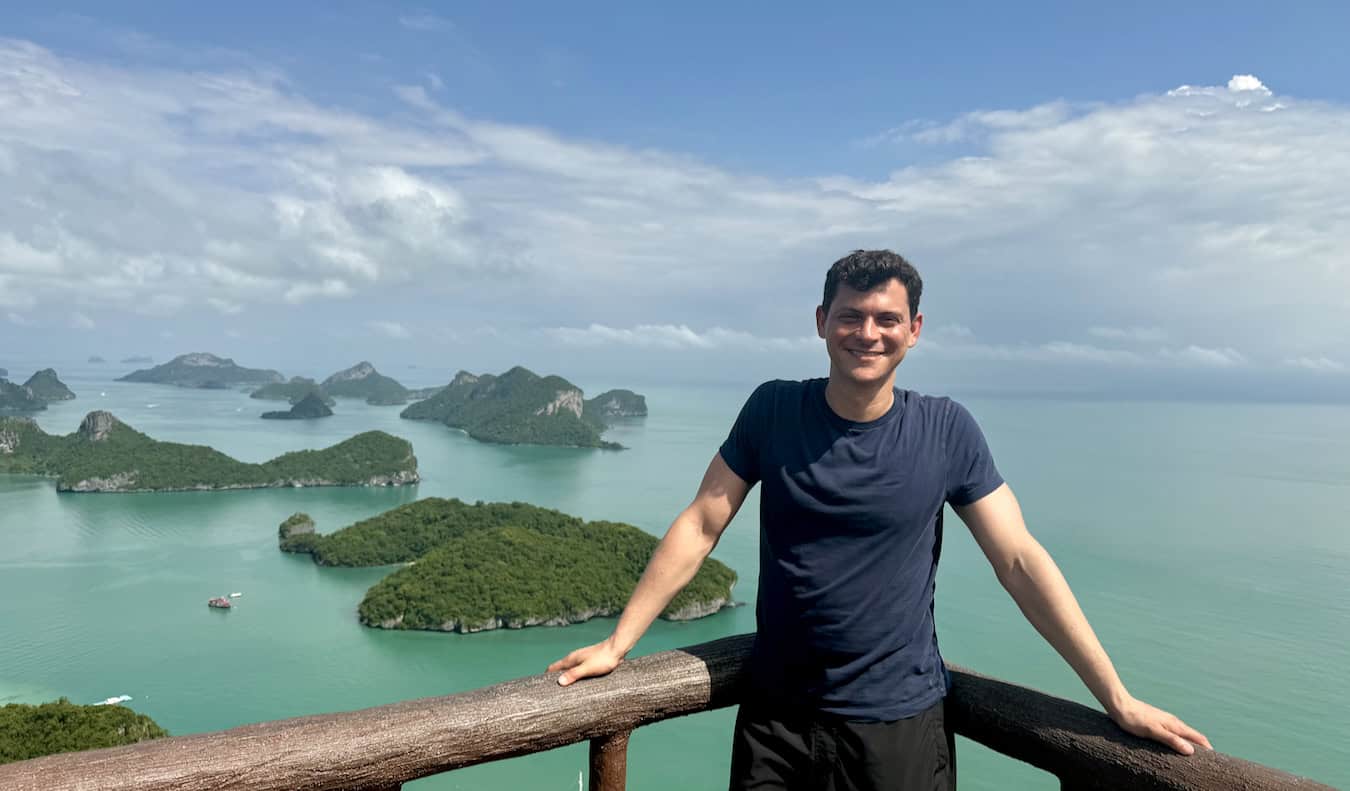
[1174, 741]
[1192, 735]
[571, 660]
[582, 670]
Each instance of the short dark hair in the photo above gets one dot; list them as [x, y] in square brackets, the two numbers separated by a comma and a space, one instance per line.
[864, 270]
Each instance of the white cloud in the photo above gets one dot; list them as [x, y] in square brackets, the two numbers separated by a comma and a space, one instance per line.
[1247, 82]
[391, 329]
[1183, 214]
[18, 319]
[1315, 364]
[1201, 356]
[1134, 334]
[424, 21]
[80, 321]
[676, 336]
[224, 306]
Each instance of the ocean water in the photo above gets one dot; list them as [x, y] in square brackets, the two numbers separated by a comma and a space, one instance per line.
[1208, 544]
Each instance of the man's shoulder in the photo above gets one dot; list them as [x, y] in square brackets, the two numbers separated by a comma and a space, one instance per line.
[940, 411]
[775, 389]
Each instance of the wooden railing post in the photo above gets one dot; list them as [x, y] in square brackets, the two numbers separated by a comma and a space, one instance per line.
[609, 762]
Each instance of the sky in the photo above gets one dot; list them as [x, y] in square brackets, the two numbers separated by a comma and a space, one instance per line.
[1135, 200]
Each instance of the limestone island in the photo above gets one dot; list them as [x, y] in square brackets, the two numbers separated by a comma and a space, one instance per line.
[470, 568]
[364, 382]
[96, 360]
[48, 387]
[202, 370]
[18, 399]
[62, 727]
[293, 391]
[136, 359]
[307, 408]
[106, 455]
[521, 407]
[4, 373]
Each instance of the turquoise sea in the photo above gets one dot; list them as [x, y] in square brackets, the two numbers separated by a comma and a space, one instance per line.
[1208, 543]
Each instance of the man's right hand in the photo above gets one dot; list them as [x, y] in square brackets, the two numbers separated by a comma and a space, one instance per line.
[593, 660]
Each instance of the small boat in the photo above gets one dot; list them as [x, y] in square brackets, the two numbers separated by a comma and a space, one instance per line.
[235, 595]
[113, 701]
[219, 603]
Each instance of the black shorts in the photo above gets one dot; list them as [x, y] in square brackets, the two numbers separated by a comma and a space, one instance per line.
[777, 750]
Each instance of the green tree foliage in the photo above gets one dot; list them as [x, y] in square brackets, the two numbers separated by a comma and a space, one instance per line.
[518, 407]
[293, 391]
[140, 463]
[513, 563]
[61, 727]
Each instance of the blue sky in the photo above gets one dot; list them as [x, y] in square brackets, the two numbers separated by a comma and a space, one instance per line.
[1102, 198]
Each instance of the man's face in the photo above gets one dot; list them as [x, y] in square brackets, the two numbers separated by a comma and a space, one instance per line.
[868, 332]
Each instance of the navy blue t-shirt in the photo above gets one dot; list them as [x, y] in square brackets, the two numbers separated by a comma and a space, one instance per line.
[850, 533]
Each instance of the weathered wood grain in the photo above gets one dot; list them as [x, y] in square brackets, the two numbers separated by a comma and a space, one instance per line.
[383, 747]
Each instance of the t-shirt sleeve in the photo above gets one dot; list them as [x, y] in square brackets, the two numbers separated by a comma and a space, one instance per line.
[741, 449]
[971, 473]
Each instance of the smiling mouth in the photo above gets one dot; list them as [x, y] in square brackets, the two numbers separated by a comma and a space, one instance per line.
[863, 355]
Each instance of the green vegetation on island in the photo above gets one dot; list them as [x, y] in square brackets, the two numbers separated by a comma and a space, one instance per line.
[61, 727]
[518, 407]
[106, 455]
[202, 370]
[615, 404]
[307, 408]
[364, 382]
[293, 391]
[490, 565]
[48, 387]
[17, 399]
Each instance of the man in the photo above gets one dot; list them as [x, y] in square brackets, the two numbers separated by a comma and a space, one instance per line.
[846, 682]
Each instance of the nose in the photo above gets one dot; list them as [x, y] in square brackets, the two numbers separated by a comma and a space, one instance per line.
[868, 329]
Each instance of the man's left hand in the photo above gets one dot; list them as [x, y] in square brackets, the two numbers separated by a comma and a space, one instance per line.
[1151, 722]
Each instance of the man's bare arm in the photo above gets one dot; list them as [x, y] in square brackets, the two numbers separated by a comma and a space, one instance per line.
[1033, 580]
[677, 558]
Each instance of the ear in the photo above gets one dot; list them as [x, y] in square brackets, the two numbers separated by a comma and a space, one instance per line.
[916, 326]
[820, 321]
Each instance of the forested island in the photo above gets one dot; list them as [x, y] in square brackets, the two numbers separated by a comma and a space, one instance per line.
[307, 408]
[521, 407]
[364, 382]
[17, 399]
[293, 391]
[493, 565]
[46, 385]
[61, 727]
[202, 370]
[106, 455]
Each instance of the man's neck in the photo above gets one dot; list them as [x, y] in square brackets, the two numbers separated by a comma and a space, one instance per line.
[860, 403]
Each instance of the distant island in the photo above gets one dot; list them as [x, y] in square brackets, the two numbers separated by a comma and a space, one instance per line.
[47, 386]
[293, 391]
[307, 408]
[364, 382]
[62, 727]
[4, 373]
[494, 565]
[136, 359]
[521, 407]
[615, 404]
[97, 360]
[202, 370]
[106, 455]
[17, 399]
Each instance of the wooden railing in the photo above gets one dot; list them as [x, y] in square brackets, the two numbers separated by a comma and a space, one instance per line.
[379, 749]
